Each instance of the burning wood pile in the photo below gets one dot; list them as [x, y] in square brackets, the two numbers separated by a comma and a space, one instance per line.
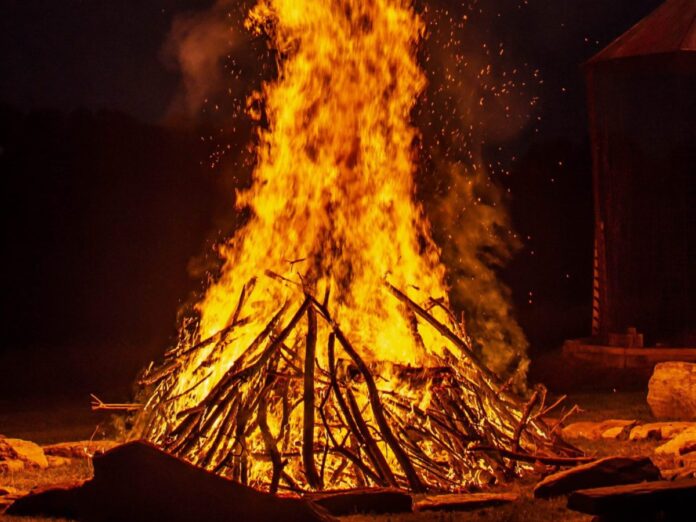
[278, 419]
[325, 354]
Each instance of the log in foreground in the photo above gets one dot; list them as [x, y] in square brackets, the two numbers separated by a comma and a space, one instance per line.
[138, 482]
[662, 500]
[609, 471]
[302, 409]
[464, 501]
[369, 500]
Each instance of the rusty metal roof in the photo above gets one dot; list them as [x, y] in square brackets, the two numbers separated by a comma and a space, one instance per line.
[671, 28]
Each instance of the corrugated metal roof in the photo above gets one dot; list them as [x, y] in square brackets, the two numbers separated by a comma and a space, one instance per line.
[670, 28]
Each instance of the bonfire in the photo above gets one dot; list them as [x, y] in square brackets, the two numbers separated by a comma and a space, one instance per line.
[325, 354]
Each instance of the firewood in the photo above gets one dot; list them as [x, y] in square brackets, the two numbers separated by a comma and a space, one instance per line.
[364, 435]
[310, 468]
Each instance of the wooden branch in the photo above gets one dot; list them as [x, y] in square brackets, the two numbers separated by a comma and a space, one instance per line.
[444, 331]
[523, 420]
[352, 423]
[370, 443]
[373, 395]
[269, 442]
[310, 469]
[99, 405]
[548, 410]
[246, 289]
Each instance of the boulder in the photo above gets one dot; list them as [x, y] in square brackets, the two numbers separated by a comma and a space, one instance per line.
[615, 429]
[685, 442]
[687, 460]
[659, 430]
[609, 471]
[56, 462]
[582, 430]
[8, 495]
[464, 501]
[11, 466]
[368, 500]
[679, 474]
[11, 492]
[79, 450]
[138, 482]
[672, 391]
[28, 452]
[661, 500]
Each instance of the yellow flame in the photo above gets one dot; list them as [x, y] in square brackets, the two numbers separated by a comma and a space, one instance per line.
[333, 215]
[333, 194]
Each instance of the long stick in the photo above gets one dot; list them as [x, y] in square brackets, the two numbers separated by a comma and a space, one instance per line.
[446, 332]
[269, 442]
[353, 423]
[414, 481]
[523, 420]
[313, 478]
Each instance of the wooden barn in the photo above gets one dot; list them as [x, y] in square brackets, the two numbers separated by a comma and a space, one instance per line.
[642, 110]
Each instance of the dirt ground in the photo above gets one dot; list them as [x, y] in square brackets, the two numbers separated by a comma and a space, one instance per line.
[67, 420]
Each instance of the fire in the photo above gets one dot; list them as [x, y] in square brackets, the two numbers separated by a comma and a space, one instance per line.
[332, 201]
[309, 367]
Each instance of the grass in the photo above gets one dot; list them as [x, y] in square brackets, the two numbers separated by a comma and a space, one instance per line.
[75, 422]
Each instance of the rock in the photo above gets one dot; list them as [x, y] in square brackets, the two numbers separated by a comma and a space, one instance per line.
[28, 452]
[682, 443]
[7, 491]
[679, 474]
[582, 430]
[672, 391]
[687, 460]
[464, 502]
[8, 495]
[79, 450]
[369, 500]
[56, 462]
[610, 471]
[11, 466]
[138, 482]
[616, 429]
[659, 430]
[647, 501]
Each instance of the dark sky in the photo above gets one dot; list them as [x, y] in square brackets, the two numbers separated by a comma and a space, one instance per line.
[107, 54]
[107, 213]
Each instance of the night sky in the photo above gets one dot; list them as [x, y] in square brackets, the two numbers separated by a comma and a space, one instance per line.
[109, 206]
[105, 54]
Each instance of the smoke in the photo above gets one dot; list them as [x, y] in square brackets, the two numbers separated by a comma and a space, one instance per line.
[196, 47]
[476, 97]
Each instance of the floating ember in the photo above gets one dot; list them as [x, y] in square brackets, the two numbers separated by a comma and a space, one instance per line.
[325, 356]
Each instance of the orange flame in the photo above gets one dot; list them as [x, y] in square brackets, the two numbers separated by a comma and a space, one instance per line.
[333, 216]
[332, 199]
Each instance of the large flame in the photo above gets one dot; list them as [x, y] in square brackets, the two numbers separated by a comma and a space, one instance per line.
[332, 217]
[333, 195]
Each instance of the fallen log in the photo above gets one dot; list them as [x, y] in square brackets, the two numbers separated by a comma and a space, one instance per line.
[647, 501]
[465, 501]
[610, 471]
[368, 500]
